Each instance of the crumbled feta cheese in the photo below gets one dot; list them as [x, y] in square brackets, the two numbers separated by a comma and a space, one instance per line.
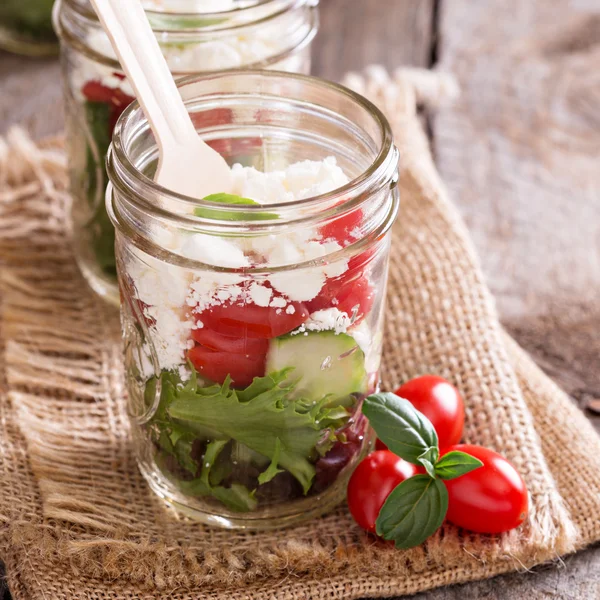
[299, 180]
[209, 289]
[266, 188]
[300, 285]
[312, 178]
[279, 302]
[213, 250]
[291, 309]
[260, 294]
[325, 320]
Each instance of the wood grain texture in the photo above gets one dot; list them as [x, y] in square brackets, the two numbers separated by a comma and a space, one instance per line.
[30, 94]
[521, 155]
[357, 33]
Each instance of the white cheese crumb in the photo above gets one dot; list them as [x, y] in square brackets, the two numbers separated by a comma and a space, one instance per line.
[280, 302]
[301, 285]
[213, 250]
[326, 320]
[260, 294]
[291, 309]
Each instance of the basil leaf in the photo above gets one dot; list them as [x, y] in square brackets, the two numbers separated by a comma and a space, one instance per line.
[232, 200]
[455, 463]
[400, 426]
[413, 511]
[428, 460]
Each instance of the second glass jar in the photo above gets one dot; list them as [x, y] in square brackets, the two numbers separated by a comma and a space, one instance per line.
[253, 332]
[263, 34]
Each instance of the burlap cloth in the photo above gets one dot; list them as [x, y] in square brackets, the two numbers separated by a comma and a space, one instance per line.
[78, 520]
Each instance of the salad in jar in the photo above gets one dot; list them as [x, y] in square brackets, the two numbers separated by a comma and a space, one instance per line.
[202, 36]
[261, 377]
[253, 319]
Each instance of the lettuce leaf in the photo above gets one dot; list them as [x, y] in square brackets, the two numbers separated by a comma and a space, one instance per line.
[259, 422]
[288, 434]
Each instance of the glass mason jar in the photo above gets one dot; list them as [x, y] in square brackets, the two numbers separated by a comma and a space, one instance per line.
[26, 27]
[250, 34]
[253, 332]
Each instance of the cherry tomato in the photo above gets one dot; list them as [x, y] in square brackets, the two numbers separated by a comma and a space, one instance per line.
[225, 343]
[440, 402]
[491, 499]
[252, 321]
[217, 365]
[372, 482]
[379, 445]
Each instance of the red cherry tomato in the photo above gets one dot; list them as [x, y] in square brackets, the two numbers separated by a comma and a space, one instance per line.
[217, 365]
[372, 482]
[440, 402]
[225, 343]
[491, 499]
[379, 445]
[252, 321]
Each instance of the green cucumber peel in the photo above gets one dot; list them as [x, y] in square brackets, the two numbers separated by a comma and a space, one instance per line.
[417, 507]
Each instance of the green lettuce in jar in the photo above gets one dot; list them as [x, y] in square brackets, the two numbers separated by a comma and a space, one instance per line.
[28, 18]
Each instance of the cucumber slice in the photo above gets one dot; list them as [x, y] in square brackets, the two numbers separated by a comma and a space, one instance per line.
[324, 363]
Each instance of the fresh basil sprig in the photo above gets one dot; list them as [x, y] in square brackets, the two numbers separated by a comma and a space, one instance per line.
[417, 507]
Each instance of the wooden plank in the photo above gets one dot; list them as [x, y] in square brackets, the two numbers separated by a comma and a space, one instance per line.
[520, 152]
[30, 94]
[357, 33]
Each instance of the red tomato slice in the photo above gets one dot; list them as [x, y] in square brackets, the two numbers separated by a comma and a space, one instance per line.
[351, 297]
[94, 91]
[341, 229]
[225, 343]
[217, 365]
[251, 321]
[210, 118]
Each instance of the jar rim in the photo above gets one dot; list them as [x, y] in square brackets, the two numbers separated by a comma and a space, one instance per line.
[279, 7]
[379, 173]
[63, 21]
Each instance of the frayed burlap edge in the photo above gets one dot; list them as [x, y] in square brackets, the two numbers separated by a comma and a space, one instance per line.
[53, 522]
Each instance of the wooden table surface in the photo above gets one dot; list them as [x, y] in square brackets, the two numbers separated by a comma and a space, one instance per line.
[520, 152]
